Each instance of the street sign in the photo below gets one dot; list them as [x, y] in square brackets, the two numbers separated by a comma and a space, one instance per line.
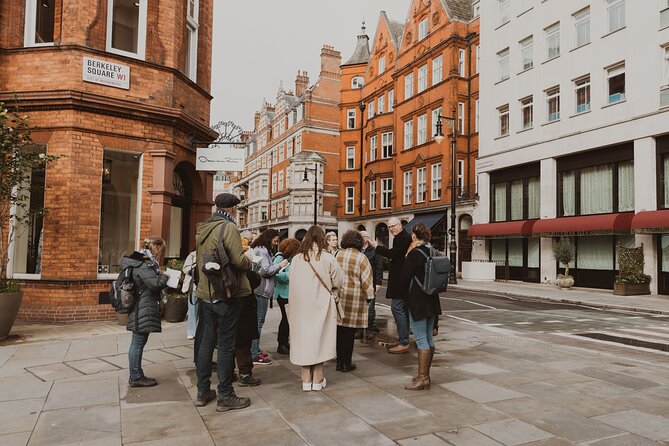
[106, 73]
[215, 159]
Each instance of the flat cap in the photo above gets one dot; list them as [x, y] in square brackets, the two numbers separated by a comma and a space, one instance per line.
[226, 200]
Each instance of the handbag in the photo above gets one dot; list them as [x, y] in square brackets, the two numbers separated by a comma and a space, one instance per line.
[333, 293]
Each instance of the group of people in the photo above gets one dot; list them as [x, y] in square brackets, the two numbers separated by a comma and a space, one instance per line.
[331, 286]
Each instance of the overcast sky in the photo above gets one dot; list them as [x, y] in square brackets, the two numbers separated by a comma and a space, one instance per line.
[258, 43]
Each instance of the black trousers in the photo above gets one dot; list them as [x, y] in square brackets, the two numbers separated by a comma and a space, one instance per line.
[284, 329]
[345, 340]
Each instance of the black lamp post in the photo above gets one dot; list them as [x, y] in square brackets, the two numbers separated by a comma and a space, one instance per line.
[439, 137]
[305, 179]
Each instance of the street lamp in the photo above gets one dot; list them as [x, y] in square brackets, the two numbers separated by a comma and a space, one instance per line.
[439, 137]
[305, 179]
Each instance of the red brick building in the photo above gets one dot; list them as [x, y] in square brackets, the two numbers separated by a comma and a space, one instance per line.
[392, 94]
[120, 89]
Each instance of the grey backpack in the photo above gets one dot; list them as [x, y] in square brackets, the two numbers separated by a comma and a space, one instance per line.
[437, 269]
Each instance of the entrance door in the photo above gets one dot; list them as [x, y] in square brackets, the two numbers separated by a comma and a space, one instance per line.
[464, 242]
[663, 273]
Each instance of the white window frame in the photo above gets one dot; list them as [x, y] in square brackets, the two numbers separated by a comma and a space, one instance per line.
[387, 145]
[503, 64]
[386, 193]
[421, 184]
[435, 182]
[350, 118]
[664, 88]
[525, 104]
[382, 104]
[382, 64]
[552, 96]
[408, 86]
[504, 12]
[408, 134]
[423, 30]
[526, 53]
[502, 116]
[478, 58]
[372, 195]
[408, 187]
[612, 72]
[391, 100]
[664, 14]
[373, 143]
[280, 184]
[461, 177]
[30, 26]
[370, 110]
[437, 69]
[350, 199]
[435, 118]
[350, 158]
[422, 78]
[192, 28]
[461, 117]
[552, 37]
[615, 7]
[582, 20]
[141, 31]
[461, 63]
[579, 84]
[421, 134]
[357, 82]
[476, 112]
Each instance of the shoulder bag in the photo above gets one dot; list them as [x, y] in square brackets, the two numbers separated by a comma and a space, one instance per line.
[333, 293]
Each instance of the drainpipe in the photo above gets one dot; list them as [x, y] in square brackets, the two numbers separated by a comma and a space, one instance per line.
[469, 109]
[362, 107]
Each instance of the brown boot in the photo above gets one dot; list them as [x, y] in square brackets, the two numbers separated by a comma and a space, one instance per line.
[421, 381]
[429, 365]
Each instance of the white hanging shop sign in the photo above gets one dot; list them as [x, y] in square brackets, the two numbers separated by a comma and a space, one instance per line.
[220, 159]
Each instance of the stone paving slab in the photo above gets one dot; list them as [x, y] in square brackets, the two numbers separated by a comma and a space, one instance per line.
[23, 386]
[467, 437]
[83, 393]
[203, 439]
[481, 391]
[53, 372]
[94, 425]
[92, 366]
[618, 379]
[158, 356]
[91, 348]
[479, 368]
[623, 440]
[643, 424]
[160, 421]
[423, 440]
[18, 439]
[19, 416]
[512, 432]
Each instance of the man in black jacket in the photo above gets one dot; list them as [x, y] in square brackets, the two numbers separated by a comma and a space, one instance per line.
[377, 270]
[396, 254]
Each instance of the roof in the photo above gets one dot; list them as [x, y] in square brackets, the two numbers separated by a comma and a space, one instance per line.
[361, 55]
[458, 9]
[396, 30]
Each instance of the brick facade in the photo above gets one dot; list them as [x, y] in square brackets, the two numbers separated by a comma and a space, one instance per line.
[154, 122]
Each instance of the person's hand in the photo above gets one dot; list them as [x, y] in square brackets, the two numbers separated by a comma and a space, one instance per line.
[373, 243]
[283, 263]
[377, 288]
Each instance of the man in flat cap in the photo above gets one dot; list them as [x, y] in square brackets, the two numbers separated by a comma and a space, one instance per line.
[220, 316]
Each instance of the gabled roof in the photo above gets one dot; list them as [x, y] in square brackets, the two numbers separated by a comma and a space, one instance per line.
[396, 29]
[361, 55]
[458, 9]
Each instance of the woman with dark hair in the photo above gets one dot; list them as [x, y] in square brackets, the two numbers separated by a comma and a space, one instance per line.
[423, 308]
[355, 294]
[312, 314]
[287, 249]
[265, 246]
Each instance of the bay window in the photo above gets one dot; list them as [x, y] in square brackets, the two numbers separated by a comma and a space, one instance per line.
[126, 27]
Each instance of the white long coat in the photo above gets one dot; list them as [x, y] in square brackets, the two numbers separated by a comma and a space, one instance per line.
[312, 314]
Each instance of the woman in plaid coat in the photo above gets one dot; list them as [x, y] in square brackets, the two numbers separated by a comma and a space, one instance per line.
[354, 296]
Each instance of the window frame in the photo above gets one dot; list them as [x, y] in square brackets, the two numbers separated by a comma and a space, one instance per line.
[421, 129]
[421, 184]
[192, 28]
[387, 143]
[580, 83]
[351, 118]
[350, 157]
[357, 82]
[462, 65]
[349, 200]
[372, 195]
[391, 100]
[461, 118]
[373, 144]
[582, 18]
[30, 26]
[437, 69]
[422, 78]
[381, 104]
[552, 32]
[386, 192]
[503, 12]
[503, 115]
[407, 188]
[141, 31]
[503, 64]
[423, 29]
[408, 85]
[664, 86]
[435, 181]
[552, 96]
[526, 103]
[611, 6]
[435, 118]
[526, 46]
[613, 72]
[408, 134]
[382, 65]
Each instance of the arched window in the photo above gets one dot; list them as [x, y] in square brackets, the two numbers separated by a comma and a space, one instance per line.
[357, 82]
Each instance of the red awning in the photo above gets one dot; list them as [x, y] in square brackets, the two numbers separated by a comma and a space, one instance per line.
[504, 229]
[604, 224]
[651, 222]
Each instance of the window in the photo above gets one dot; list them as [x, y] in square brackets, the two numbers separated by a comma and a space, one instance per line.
[503, 62]
[289, 148]
[499, 201]
[350, 199]
[421, 184]
[422, 78]
[391, 100]
[478, 58]
[615, 11]
[408, 187]
[386, 192]
[527, 53]
[664, 190]
[422, 130]
[435, 118]
[504, 12]
[615, 78]
[280, 186]
[582, 87]
[191, 39]
[582, 27]
[298, 139]
[370, 110]
[382, 64]
[477, 9]
[408, 134]
[514, 199]
[461, 117]
[126, 27]
[533, 197]
[372, 148]
[664, 89]
[350, 158]
[437, 69]
[121, 201]
[382, 104]
[422, 29]
[435, 189]
[39, 22]
[408, 86]
[664, 14]
[386, 145]
[372, 195]
[350, 121]
[461, 177]
[461, 62]
[503, 116]
[357, 82]
[476, 122]
[553, 104]
[527, 112]
[273, 182]
[553, 41]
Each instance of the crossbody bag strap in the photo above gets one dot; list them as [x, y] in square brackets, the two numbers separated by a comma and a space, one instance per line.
[426, 258]
[320, 279]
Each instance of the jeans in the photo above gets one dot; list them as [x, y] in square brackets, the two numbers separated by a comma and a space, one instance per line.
[371, 314]
[135, 354]
[219, 323]
[262, 312]
[243, 357]
[345, 341]
[401, 319]
[284, 329]
[422, 332]
[191, 328]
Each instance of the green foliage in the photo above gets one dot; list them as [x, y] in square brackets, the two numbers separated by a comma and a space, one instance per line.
[630, 266]
[175, 293]
[634, 278]
[563, 251]
[17, 162]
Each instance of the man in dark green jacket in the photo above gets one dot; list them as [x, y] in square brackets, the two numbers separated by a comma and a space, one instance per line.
[220, 316]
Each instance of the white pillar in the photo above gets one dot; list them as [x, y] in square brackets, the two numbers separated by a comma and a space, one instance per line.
[645, 199]
[481, 214]
[548, 210]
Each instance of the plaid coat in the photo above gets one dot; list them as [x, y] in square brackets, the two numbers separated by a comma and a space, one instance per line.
[357, 289]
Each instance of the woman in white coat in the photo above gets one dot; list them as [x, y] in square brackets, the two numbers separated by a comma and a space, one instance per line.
[312, 314]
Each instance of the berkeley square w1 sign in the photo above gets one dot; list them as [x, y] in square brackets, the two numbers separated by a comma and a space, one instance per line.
[106, 73]
[219, 158]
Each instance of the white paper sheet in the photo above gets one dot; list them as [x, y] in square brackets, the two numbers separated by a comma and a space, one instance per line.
[174, 276]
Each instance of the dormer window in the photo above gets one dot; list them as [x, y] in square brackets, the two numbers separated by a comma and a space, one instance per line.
[357, 82]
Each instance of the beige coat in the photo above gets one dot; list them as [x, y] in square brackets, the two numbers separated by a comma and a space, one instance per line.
[311, 313]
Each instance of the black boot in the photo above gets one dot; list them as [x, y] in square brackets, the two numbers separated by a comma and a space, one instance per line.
[283, 349]
[142, 382]
[247, 380]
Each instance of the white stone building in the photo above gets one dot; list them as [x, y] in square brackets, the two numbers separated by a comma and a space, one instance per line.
[574, 140]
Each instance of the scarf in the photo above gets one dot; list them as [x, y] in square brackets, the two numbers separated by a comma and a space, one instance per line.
[224, 214]
[151, 259]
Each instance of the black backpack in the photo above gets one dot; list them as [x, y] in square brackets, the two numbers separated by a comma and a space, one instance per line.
[437, 269]
[123, 292]
[216, 266]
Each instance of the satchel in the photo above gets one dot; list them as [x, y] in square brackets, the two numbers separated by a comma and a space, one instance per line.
[333, 293]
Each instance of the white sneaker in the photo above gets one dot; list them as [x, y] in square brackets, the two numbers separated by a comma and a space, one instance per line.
[306, 387]
[319, 386]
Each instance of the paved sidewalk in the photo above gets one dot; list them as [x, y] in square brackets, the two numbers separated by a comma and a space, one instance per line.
[66, 385]
[583, 296]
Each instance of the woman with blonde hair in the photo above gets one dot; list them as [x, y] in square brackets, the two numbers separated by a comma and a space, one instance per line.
[332, 243]
[144, 317]
[312, 314]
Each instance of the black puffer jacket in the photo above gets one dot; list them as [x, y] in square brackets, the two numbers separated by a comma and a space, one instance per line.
[145, 315]
[420, 305]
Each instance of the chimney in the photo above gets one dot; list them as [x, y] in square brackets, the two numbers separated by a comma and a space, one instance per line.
[330, 61]
[301, 83]
[256, 121]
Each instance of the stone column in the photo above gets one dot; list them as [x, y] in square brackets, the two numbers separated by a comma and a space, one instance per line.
[548, 209]
[481, 215]
[161, 192]
[645, 199]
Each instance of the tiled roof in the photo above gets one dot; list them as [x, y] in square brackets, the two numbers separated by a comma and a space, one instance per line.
[361, 54]
[396, 30]
[458, 9]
